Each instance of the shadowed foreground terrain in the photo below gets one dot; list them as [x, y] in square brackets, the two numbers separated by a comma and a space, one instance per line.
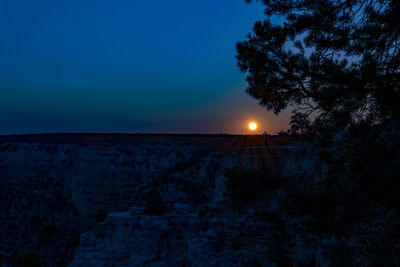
[165, 200]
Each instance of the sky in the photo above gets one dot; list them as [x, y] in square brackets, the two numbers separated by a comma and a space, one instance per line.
[162, 66]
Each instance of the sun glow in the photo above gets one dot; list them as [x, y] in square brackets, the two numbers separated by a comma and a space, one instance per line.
[252, 126]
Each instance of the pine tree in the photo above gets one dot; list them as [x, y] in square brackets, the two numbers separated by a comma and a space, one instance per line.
[336, 58]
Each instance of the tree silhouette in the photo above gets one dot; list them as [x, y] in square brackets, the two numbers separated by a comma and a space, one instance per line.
[336, 58]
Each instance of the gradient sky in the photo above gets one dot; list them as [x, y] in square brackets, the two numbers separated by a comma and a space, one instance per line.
[126, 66]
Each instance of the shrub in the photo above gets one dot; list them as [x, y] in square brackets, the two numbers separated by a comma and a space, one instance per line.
[152, 203]
[245, 186]
[48, 230]
[100, 216]
[30, 259]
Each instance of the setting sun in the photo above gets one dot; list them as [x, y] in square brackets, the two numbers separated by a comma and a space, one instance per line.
[252, 126]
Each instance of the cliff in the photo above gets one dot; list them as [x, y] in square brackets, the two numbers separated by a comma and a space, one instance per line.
[153, 202]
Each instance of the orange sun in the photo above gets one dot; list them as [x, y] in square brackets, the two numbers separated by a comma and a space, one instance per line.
[252, 126]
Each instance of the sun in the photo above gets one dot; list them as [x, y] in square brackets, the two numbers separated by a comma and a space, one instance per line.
[252, 126]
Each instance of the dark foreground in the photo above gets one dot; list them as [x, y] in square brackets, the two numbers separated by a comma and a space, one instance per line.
[184, 200]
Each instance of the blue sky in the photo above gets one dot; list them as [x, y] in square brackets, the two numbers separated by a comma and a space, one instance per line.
[126, 66]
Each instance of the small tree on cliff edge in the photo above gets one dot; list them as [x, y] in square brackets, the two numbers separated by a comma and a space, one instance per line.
[338, 58]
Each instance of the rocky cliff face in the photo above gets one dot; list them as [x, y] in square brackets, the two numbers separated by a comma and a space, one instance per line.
[152, 203]
[211, 231]
[69, 186]
[178, 238]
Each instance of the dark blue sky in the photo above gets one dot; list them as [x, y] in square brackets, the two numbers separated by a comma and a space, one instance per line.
[125, 66]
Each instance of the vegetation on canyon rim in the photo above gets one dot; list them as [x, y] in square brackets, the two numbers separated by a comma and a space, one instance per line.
[338, 58]
[336, 64]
